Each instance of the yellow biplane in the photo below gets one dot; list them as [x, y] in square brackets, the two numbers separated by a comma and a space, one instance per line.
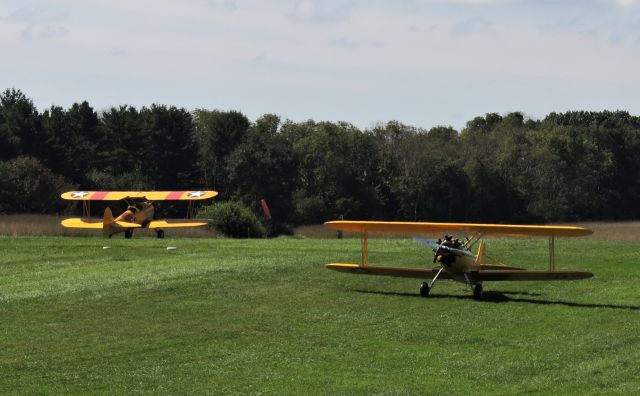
[453, 258]
[139, 213]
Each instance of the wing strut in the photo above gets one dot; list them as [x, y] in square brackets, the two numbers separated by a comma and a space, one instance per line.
[435, 278]
[473, 240]
[552, 253]
[365, 247]
[86, 209]
[190, 210]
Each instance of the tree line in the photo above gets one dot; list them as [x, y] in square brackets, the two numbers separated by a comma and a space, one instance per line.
[499, 168]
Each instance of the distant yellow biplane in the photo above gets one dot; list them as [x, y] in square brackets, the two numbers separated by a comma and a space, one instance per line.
[139, 213]
[453, 258]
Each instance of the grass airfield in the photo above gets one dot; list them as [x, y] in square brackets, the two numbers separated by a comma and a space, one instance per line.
[220, 316]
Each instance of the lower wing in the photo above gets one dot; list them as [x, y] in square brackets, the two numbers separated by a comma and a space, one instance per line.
[94, 224]
[478, 276]
[176, 223]
[528, 275]
[421, 273]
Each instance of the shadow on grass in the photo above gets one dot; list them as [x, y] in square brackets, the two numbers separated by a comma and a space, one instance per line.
[503, 297]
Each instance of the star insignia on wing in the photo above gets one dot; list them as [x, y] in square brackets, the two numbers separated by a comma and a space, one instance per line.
[196, 194]
[79, 194]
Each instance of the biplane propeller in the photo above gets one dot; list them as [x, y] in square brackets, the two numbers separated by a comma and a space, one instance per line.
[139, 214]
[441, 246]
[454, 257]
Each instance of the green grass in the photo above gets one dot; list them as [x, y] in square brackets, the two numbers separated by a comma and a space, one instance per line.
[218, 316]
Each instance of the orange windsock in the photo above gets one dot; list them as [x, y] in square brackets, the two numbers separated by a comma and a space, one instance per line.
[265, 209]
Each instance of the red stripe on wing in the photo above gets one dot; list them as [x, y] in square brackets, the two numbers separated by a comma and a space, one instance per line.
[175, 195]
[98, 195]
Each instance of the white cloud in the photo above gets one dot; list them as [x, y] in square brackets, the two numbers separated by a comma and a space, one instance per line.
[39, 22]
[627, 2]
[32, 14]
[471, 26]
[473, 2]
[321, 11]
[226, 5]
[44, 30]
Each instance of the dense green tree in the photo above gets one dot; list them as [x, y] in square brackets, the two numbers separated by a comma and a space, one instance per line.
[83, 147]
[69, 140]
[432, 184]
[56, 141]
[512, 160]
[336, 176]
[263, 167]
[218, 133]
[501, 168]
[488, 188]
[19, 125]
[27, 186]
[624, 186]
[497, 155]
[388, 139]
[617, 135]
[568, 174]
[168, 150]
[96, 179]
[121, 141]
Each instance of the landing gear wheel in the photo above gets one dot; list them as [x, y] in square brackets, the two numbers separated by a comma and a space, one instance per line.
[424, 289]
[128, 234]
[477, 291]
[160, 234]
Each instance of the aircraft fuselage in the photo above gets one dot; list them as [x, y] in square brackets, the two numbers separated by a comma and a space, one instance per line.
[459, 266]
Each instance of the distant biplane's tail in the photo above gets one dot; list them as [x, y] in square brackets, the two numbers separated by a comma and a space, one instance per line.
[107, 219]
[107, 222]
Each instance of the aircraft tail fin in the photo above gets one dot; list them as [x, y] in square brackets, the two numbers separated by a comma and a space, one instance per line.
[107, 223]
[107, 219]
[480, 256]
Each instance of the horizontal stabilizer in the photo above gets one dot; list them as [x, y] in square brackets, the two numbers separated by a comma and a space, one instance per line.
[421, 273]
[82, 223]
[499, 267]
[176, 223]
[125, 224]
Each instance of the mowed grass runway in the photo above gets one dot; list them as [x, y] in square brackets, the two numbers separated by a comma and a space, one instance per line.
[220, 316]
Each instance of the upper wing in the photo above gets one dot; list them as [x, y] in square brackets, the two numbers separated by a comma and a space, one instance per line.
[421, 273]
[432, 228]
[176, 223]
[149, 195]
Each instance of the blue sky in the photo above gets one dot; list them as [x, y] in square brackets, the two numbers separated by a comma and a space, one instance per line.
[424, 63]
